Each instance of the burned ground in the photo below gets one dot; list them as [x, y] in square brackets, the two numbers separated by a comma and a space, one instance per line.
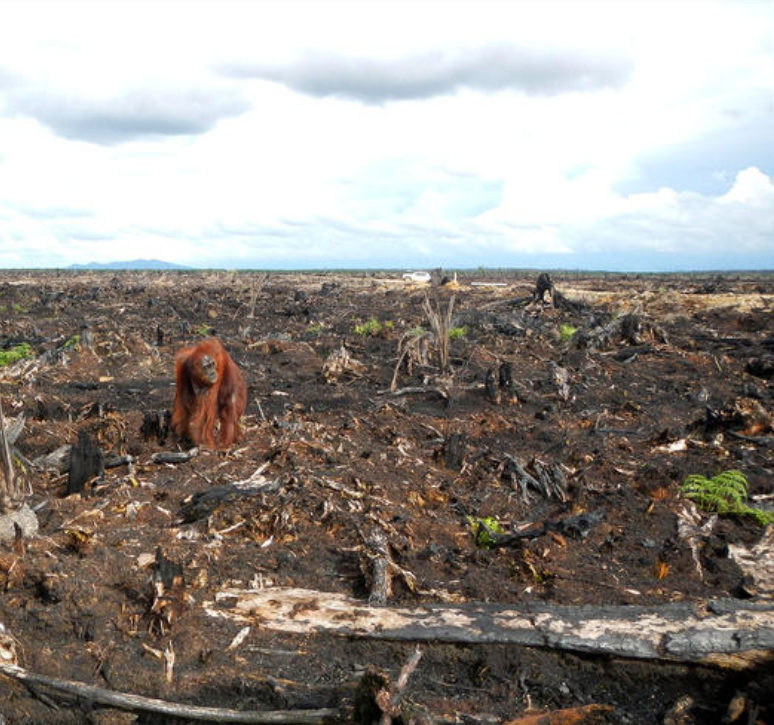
[546, 411]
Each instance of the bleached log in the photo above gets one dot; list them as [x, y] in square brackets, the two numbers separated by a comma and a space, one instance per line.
[723, 632]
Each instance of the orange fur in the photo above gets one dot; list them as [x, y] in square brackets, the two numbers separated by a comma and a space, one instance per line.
[201, 401]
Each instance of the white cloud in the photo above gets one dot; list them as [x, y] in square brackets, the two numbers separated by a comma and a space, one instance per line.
[150, 111]
[686, 224]
[487, 68]
[483, 132]
[751, 188]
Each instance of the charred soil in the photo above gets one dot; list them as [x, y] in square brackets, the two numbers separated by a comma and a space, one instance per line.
[599, 399]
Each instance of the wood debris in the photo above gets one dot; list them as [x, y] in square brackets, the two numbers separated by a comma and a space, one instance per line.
[726, 633]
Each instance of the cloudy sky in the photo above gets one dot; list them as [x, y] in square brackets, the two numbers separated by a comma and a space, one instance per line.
[258, 134]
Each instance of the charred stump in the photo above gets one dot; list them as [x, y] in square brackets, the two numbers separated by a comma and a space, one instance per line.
[156, 425]
[507, 386]
[169, 598]
[87, 462]
[761, 367]
[491, 387]
[452, 454]
[544, 284]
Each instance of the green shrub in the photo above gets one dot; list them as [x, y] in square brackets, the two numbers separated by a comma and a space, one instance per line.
[372, 327]
[457, 332]
[204, 330]
[724, 494]
[73, 343]
[566, 332]
[482, 530]
[16, 353]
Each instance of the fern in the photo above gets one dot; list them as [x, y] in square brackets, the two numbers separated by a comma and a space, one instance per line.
[724, 494]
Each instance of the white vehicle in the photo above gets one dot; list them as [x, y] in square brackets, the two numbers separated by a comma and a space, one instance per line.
[417, 277]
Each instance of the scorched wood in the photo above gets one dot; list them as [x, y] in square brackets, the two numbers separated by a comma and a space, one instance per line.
[726, 633]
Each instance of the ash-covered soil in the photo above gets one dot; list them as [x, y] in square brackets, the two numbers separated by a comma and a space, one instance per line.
[602, 415]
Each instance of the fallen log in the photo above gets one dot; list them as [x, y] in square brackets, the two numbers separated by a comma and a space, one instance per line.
[128, 701]
[417, 390]
[174, 456]
[723, 632]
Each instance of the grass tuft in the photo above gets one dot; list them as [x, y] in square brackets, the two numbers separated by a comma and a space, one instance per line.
[16, 353]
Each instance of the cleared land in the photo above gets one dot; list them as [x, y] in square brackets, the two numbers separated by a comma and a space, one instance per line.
[567, 428]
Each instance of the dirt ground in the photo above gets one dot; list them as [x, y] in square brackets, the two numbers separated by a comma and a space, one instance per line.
[613, 423]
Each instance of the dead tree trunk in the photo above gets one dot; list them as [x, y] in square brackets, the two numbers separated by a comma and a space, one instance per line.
[724, 632]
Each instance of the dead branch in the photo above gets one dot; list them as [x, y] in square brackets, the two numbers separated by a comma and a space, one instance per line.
[548, 481]
[58, 460]
[631, 329]
[578, 525]
[389, 698]
[203, 504]
[339, 363]
[127, 701]
[413, 349]
[174, 456]
[417, 390]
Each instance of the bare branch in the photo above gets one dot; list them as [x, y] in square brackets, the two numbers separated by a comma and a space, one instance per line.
[127, 701]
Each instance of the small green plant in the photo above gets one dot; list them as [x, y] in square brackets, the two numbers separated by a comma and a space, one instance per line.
[724, 494]
[566, 332]
[482, 530]
[372, 327]
[74, 343]
[14, 354]
[457, 332]
[204, 329]
[314, 329]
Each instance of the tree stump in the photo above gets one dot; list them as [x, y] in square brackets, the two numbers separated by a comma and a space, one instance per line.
[87, 462]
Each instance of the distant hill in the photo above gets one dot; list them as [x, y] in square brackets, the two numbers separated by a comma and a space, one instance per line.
[134, 264]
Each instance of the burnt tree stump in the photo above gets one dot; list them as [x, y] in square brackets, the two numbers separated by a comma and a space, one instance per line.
[491, 387]
[453, 451]
[156, 425]
[87, 462]
[505, 379]
[544, 284]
